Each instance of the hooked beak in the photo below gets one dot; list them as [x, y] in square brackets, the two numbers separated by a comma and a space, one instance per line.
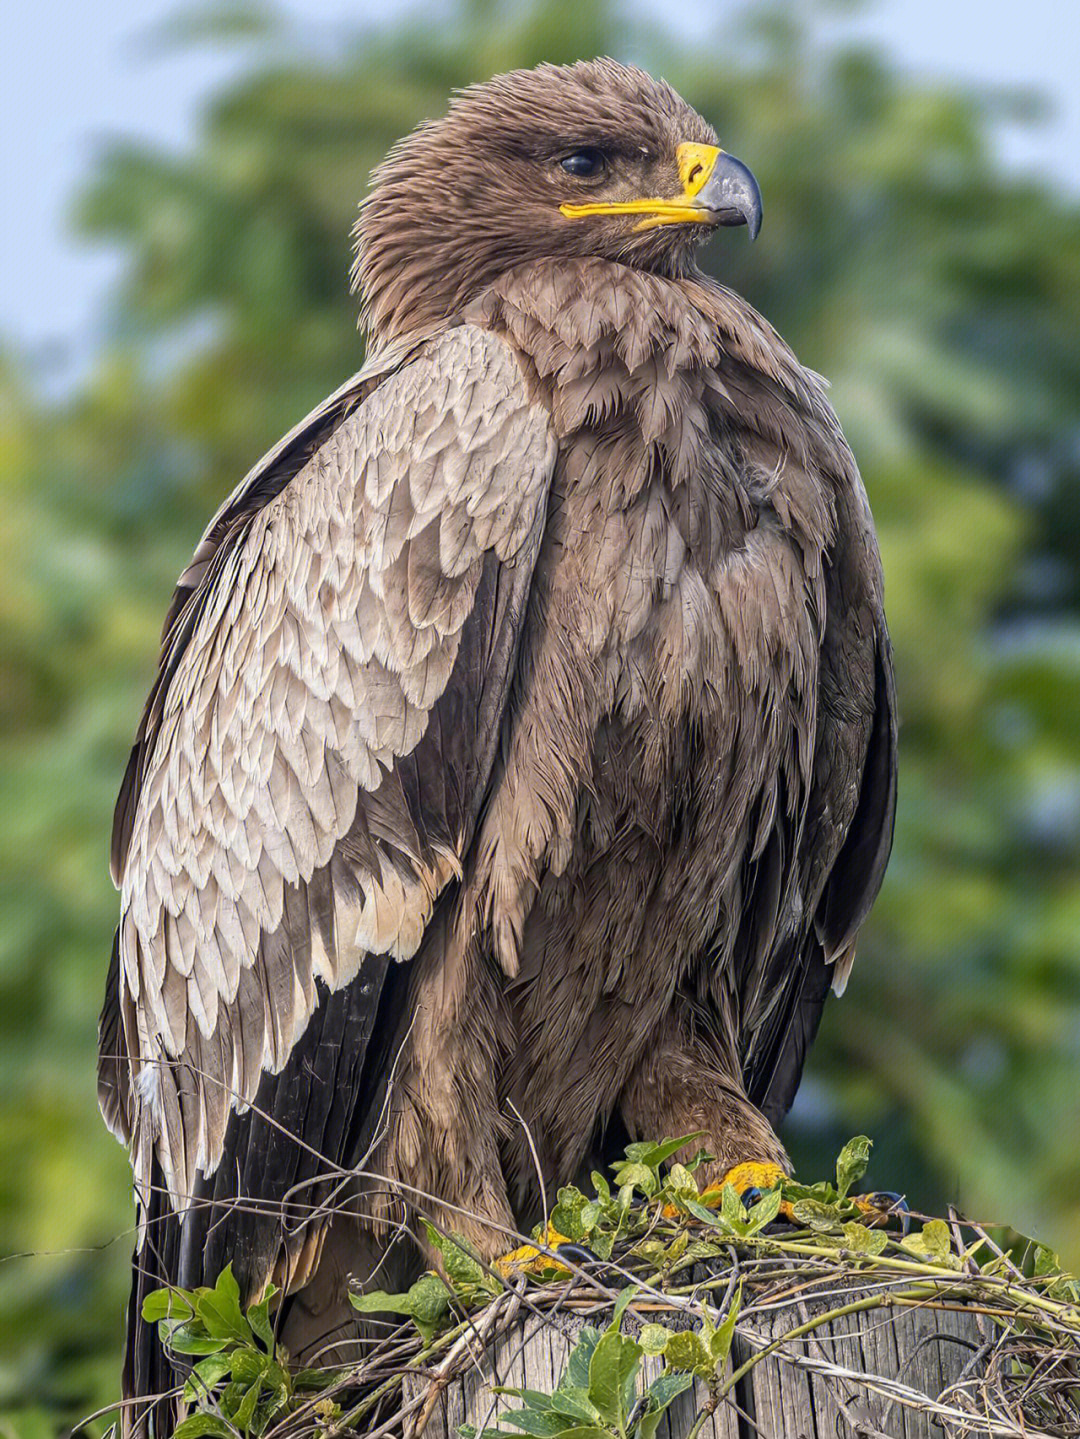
[717, 190]
[731, 194]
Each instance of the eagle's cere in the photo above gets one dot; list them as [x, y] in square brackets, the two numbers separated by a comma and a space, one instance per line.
[523, 738]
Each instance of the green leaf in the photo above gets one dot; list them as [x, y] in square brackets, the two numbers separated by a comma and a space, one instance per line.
[815, 1215]
[534, 1398]
[230, 1397]
[591, 1215]
[720, 1339]
[701, 1157]
[249, 1365]
[677, 1247]
[681, 1182]
[461, 1266]
[277, 1378]
[659, 1395]
[851, 1163]
[314, 1378]
[635, 1153]
[426, 1303]
[431, 1303]
[686, 1350]
[653, 1338]
[621, 1305]
[640, 1176]
[731, 1209]
[575, 1403]
[666, 1388]
[615, 1359]
[195, 1426]
[823, 1192]
[190, 1339]
[861, 1240]
[702, 1213]
[270, 1408]
[258, 1317]
[701, 1249]
[378, 1301]
[601, 1186]
[206, 1376]
[219, 1308]
[938, 1239]
[656, 1153]
[583, 1431]
[764, 1211]
[1046, 1261]
[653, 1250]
[933, 1242]
[602, 1243]
[246, 1410]
[567, 1214]
[168, 1304]
[576, 1374]
[539, 1422]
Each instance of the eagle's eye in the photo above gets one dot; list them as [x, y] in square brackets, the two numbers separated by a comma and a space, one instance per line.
[585, 163]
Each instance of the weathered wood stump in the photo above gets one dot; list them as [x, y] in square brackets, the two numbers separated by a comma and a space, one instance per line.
[900, 1372]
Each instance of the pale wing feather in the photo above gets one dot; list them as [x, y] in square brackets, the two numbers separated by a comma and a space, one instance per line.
[329, 630]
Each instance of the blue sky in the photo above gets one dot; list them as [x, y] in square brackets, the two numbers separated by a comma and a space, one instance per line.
[75, 74]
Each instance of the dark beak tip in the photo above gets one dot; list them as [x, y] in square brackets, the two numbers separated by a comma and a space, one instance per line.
[732, 191]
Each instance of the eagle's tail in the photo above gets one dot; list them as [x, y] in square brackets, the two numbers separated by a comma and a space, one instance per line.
[150, 1383]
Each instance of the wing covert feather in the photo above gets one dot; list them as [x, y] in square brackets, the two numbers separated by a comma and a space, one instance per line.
[271, 840]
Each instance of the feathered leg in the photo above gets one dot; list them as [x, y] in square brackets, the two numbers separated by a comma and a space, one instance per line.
[688, 1083]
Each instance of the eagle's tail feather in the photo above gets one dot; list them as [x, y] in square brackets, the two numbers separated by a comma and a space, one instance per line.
[152, 1407]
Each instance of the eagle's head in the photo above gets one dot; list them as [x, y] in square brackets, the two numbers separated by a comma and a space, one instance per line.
[593, 159]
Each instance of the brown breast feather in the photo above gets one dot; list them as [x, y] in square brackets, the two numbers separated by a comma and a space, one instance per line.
[708, 546]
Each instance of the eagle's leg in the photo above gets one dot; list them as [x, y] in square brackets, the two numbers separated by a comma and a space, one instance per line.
[688, 1082]
[320, 1325]
[439, 1155]
[685, 1084]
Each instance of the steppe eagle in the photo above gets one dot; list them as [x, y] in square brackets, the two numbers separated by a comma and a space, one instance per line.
[522, 751]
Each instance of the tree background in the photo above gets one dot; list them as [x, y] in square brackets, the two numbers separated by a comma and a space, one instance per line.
[941, 296]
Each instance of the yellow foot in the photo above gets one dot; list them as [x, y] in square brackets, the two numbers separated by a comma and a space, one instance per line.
[881, 1206]
[530, 1259]
[745, 1179]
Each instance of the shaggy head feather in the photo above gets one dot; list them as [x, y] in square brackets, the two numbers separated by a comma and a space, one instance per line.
[463, 199]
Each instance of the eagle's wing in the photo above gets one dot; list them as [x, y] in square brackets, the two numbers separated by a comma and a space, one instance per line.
[856, 755]
[314, 753]
[828, 857]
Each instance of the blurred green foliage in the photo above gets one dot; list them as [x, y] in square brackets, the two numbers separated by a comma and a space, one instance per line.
[941, 297]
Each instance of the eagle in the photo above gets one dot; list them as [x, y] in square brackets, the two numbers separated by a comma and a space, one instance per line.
[520, 764]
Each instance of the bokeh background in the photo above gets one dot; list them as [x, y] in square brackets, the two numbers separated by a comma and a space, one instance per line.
[921, 248]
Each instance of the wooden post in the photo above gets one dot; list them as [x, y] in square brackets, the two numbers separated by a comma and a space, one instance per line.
[893, 1372]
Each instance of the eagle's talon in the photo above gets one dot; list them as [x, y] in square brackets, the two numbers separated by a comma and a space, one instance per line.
[881, 1205]
[750, 1181]
[531, 1258]
[581, 1254]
